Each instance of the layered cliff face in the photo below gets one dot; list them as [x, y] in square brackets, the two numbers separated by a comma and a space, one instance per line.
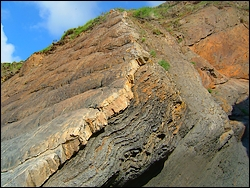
[100, 111]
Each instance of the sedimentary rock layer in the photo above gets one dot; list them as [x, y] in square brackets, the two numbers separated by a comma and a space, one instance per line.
[54, 116]
[100, 111]
[142, 134]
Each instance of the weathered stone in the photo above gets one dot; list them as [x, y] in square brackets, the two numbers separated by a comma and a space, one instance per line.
[66, 108]
[100, 111]
[229, 57]
[125, 147]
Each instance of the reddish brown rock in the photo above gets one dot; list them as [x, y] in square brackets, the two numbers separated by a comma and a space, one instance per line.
[227, 51]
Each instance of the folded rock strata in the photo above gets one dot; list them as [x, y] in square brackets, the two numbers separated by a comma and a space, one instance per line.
[62, 115]
[143, 133]
[100, 111]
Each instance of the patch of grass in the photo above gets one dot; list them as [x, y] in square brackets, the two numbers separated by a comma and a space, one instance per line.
[10, 69]
[209, 90]
[11, 66]
[68, 32]
[193, 63]
[164, 64]
[202, 3]
[157, 32]
[142, 12]
[176, 23]
[143, 39]
[169, 29]
[190, 8]
[74, 32]
[245, 8]
[179, 40]
[146, 12]
[163, 10]
[46, 49]
[153, 53]
[120, 9]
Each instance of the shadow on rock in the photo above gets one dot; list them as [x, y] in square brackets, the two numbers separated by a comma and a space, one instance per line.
[150, 173]
[240, 113]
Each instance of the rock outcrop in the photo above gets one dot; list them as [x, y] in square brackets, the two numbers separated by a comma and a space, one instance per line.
[100, 111]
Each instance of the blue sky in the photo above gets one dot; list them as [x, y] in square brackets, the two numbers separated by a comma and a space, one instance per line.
[30, 26]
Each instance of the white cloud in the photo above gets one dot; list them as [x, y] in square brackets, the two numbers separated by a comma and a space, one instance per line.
[7, 49]
[59, 16]
[155, 3]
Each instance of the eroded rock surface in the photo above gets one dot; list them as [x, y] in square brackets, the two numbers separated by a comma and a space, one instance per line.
[100, 111]
[144, 132]
[54, 116]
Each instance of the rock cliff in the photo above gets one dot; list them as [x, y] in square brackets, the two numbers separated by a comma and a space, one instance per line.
[99, 110]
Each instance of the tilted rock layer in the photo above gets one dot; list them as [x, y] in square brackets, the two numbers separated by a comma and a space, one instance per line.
[100, 111]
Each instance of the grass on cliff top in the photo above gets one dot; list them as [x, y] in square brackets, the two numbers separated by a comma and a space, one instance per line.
[166, 10]
[74, 32]
[173, 11]
[179, 9]
[10, 68]
[146, 12]
[46, 49]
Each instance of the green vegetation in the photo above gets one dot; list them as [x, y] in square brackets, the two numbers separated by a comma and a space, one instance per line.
[74, 32]
[175, 23]
[46, 49]
[143, 39]
[11, 66]
[172, 11]
[175, 11]
[10, 69]
[169, 29]
[180, 40]
[120, 9]
[209, 90]
[146, 12]
[164, 64]
[193, 63]
[157, 32]
[151, 12]
[153, 53]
